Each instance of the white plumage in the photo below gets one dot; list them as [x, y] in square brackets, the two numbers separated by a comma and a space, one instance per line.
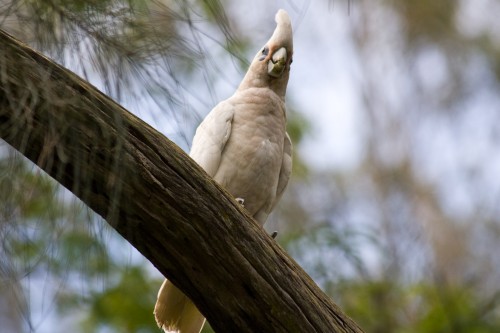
[243, 145]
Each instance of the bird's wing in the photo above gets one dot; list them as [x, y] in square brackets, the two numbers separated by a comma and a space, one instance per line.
[211, 137]
[286, 169]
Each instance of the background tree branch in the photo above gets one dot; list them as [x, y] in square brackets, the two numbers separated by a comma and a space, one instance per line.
[157, 198]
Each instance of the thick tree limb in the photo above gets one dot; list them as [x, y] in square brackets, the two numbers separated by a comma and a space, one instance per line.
[158, 199]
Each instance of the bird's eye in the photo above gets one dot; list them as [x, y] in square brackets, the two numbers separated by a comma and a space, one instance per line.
[264, 53]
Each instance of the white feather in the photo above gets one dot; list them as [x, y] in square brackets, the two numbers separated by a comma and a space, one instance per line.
[243, 145]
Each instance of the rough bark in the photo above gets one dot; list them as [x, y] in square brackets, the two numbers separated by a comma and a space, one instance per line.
[158, 199]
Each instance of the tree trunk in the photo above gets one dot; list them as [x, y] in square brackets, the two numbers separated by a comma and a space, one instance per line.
[158, 199]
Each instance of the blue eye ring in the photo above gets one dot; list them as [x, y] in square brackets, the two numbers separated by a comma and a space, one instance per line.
[264, 53]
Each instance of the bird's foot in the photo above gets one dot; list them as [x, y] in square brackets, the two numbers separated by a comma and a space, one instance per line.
[241, 201]
[274, 234]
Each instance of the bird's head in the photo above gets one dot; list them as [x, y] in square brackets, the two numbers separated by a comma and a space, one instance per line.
[271, 65]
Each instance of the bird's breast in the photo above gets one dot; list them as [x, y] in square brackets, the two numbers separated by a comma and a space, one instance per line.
[253, 155]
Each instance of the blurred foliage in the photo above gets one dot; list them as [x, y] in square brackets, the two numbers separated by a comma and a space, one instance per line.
[385, 306]
[405, 240]
[437, 15]
[34, 212]
[125, 306]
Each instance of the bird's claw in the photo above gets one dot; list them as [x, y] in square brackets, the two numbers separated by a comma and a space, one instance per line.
[274, 234]
[241, 201]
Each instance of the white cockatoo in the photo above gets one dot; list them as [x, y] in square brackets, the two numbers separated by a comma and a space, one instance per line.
[243, 145]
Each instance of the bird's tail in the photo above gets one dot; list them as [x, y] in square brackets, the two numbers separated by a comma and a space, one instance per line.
[174, 311]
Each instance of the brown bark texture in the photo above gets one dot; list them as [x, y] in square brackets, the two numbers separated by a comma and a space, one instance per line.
[158, 199]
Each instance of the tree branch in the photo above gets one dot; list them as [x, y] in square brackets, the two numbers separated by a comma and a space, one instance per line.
[158, 199]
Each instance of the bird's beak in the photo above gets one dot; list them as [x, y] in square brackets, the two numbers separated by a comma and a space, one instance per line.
[277, 63]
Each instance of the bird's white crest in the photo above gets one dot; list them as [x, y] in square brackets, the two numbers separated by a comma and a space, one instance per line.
[283, 34]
